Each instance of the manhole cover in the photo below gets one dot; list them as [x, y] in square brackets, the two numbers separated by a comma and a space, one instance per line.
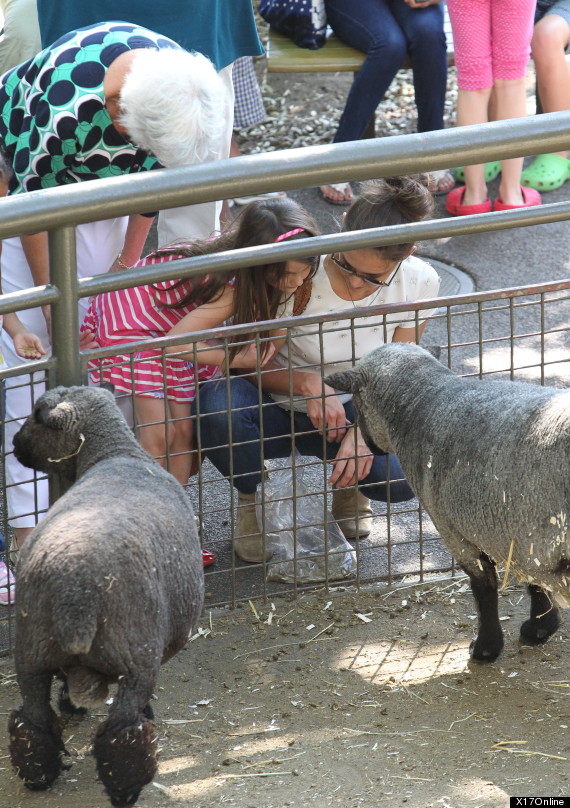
[453, 280]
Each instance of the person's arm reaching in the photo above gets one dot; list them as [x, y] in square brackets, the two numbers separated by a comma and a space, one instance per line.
[135, 238]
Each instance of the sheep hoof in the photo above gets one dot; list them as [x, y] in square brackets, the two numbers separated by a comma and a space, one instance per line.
[537, 631]
[36, 752]
[126, 760]
[485, 649]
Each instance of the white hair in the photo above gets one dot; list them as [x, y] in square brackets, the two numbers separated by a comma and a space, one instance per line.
[173, 106]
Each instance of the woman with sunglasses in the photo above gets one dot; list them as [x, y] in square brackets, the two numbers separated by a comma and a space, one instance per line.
[293, 386]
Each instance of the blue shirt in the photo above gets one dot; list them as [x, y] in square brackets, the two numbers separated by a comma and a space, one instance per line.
[222, 30]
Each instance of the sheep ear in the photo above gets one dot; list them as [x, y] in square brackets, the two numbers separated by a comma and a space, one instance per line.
[346, 380]
[108, 386]
[42, 415]
[434, 350]
[54, 417]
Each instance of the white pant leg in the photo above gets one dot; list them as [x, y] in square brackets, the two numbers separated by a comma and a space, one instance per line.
[201, 220]
[21, 38]
[98, 243]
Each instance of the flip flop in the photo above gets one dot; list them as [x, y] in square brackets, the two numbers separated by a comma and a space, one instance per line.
[454, 205]
[492, 171]
[547, 172]
[341, 187]
[530, 195]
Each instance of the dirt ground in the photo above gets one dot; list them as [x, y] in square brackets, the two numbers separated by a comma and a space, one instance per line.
[351, 699]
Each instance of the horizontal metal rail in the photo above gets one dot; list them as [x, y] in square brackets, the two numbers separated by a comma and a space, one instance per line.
[235, 331]
[320, 245]
[295, 168]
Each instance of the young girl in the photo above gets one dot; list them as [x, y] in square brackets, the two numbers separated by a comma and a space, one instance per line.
[191, 305]
[356, 278]
[492, 49]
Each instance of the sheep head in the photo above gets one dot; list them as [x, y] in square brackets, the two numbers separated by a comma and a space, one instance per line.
[361, 384]
[382, 381]
[52, 437]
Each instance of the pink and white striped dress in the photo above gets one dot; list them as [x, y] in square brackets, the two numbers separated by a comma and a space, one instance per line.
[139, 313]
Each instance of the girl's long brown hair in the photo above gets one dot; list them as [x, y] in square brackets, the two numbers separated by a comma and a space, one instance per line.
[256, 293]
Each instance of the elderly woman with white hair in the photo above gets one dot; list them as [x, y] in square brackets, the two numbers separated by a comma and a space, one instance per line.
[102, 101]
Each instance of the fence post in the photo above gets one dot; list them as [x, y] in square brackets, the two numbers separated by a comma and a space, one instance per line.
[65, 318]
[64, 322]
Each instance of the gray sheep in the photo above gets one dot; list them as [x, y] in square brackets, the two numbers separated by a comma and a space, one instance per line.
[110, 584]
[489, 461]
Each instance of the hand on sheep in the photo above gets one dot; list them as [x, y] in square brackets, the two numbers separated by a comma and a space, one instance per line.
[347, 470]
[332, 417]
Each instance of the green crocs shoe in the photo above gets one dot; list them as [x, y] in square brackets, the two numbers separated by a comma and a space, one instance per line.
[492, 170]
[547, 172]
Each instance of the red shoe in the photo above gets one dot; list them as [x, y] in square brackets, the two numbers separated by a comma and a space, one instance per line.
[454, 205]
[208, 558]
[530, 195]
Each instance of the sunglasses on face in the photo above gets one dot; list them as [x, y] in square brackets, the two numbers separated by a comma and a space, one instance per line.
[343, 265]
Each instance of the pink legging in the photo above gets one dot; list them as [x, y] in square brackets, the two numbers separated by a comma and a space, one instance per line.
[491, 40]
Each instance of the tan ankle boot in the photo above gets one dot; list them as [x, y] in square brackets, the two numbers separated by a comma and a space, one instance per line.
[352, 511]
[248, 541]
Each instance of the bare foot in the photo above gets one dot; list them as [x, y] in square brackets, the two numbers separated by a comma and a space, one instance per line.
[441, 182]
[474, 197]
[338, 193]
[511, 196]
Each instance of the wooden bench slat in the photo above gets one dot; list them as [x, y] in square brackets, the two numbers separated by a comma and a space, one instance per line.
[283, 56]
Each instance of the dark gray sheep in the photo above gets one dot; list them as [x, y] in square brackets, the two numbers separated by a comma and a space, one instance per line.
[110, 584]
[489, 461]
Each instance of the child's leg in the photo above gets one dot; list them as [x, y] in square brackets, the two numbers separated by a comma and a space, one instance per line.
[510, 99]
[165, 431]
[512, 26]
[471, 24]
[549, 41]
[181, 441]
[472, 108]
[153, 428]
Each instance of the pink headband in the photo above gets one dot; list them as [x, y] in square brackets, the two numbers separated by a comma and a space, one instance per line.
[294, 232]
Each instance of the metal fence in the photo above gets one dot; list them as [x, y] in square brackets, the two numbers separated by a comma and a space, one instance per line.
[403, 542]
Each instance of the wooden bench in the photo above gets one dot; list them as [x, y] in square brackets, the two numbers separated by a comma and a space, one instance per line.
[283, 56]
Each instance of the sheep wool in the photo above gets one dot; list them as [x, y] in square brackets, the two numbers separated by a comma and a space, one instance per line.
[489, 462]
[110, 584]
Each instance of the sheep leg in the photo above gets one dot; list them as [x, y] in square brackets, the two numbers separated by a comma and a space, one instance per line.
[125, 746]
[488, 644]
[67, 708]
[36, 747]
[544, 617]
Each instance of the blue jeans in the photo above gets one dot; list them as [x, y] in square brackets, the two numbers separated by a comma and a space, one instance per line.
[238, 417]
[387, 30]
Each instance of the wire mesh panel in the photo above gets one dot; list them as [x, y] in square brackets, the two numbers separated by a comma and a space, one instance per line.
[15, 479]
[248, 455]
